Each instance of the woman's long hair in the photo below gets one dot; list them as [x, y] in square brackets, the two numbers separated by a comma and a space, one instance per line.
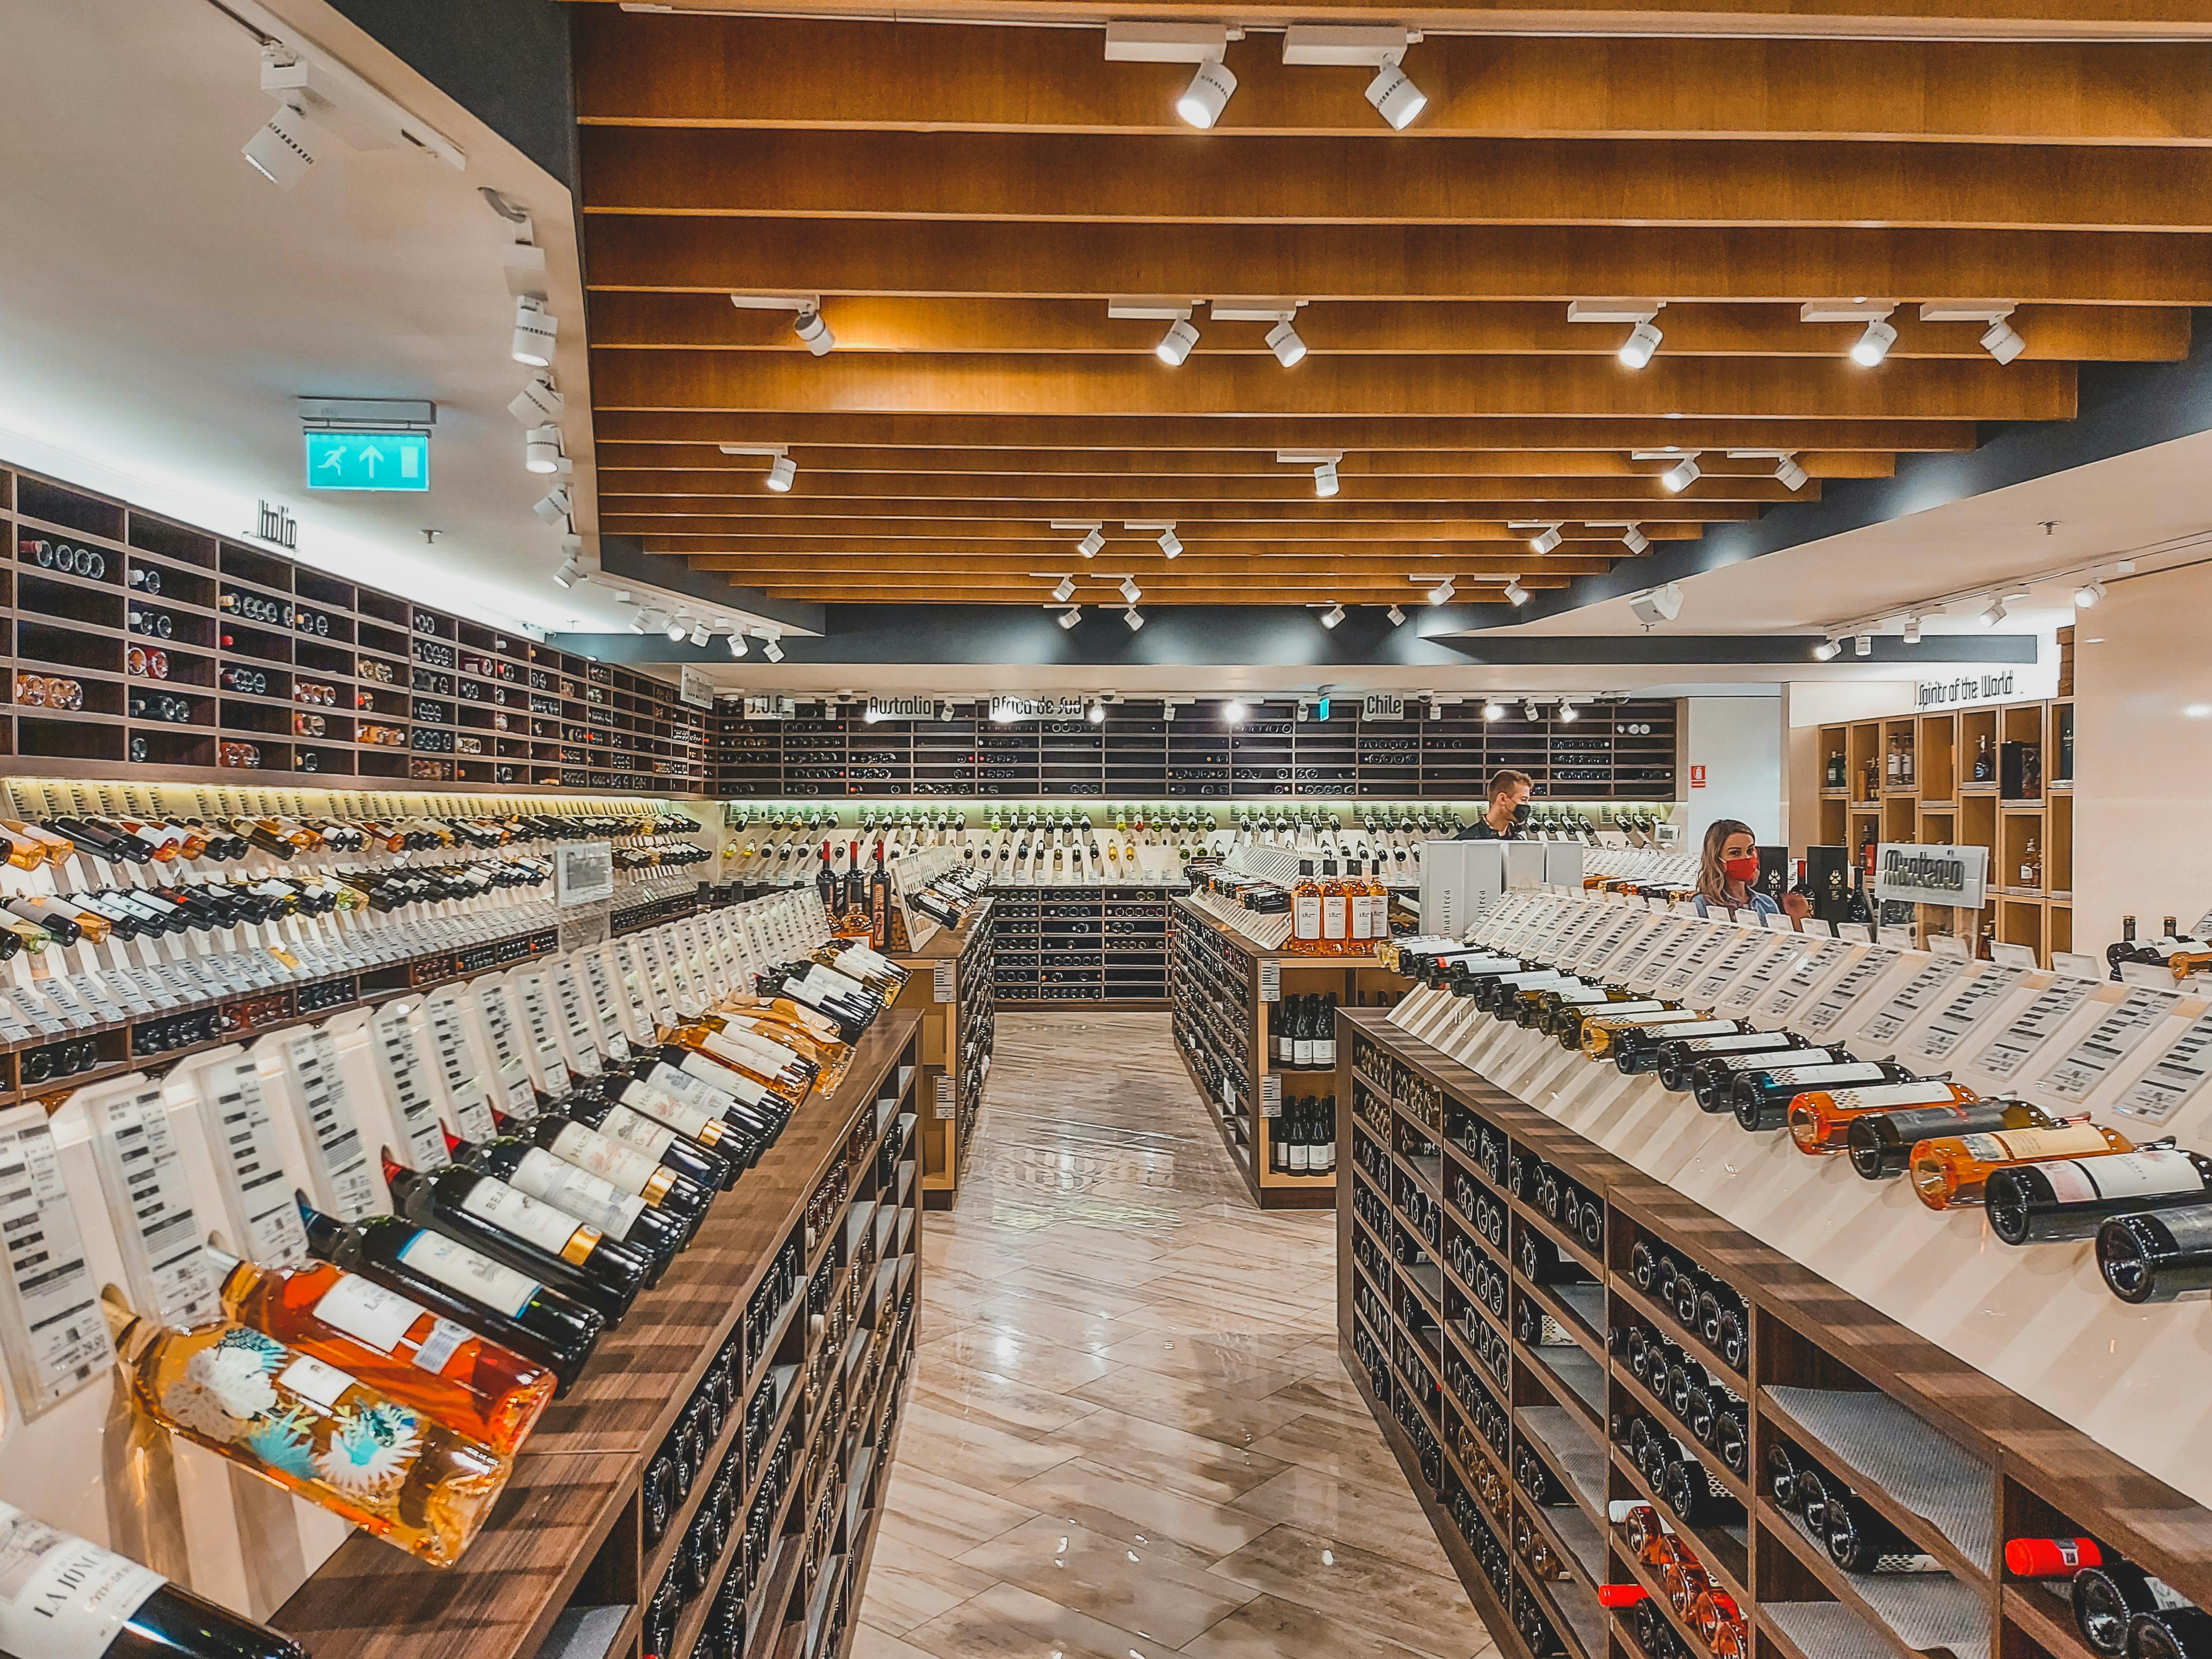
[1712, 880]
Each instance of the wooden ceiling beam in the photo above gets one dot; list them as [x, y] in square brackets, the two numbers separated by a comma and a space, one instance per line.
[894, 323]
[1510, 548]
[984, 534]
[799, 72]
[1473, 474]
[1036, 582]
[1120, 433]
[1394, 261]
[1406, 596]
[1289, 493]
[1502, 181]
[984, 385]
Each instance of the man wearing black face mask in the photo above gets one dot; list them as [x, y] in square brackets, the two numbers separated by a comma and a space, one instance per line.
[1509, 809]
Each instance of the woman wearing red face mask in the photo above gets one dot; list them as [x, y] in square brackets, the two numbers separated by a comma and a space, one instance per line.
[1727, 870]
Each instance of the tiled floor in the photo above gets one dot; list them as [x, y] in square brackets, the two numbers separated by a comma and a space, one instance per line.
[1130, 1434]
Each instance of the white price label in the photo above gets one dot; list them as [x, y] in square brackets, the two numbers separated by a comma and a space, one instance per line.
[1733, 962]
[1816, 966]
[1971, 1004]
[2108, 1042]
[60, 1343]
[1847, 990]
[944, 981]
[151, 1201]
[333, 1135]
[249, 1167]
[1915, 993]
[2174, 1076]
[1271, 980]
[393, 1035]
[2033, 1026]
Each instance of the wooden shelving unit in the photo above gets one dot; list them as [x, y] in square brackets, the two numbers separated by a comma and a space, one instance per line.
[1945, 804]
[570, 1534]
[951, 990]
[275, 672]
[1623, 750]
[1081, 947]
[1947, 1454]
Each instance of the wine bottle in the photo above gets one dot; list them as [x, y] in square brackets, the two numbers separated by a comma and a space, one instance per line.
[1950, 1172]
[1860, 1538]
[1637, 1048]
[1606, 1036]
[50, 914]
[1881, 1143]
[2171, 1633]
[1819, 1119]
[576, 1192]
[1680, 1058]
[2157, 1255]
[879, 902]
[2107, 1598]
[825, 884]
[420, 1358]
[617, 1119]
[679, 1196]
[750, 1117]
[64, 1597]
[1761, 1098]
[1324, 1040]
[2051, 1558]
[2072, 1198]
[319, 1432]
[1591, 1030]
[525, 1233]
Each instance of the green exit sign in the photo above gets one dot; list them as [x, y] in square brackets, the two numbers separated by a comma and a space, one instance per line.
[368, 460]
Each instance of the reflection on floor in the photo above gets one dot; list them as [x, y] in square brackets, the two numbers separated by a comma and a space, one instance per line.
[1130, 1433]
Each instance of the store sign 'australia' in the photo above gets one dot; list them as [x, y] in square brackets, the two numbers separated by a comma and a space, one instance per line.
[1909, 874]
[902, 708]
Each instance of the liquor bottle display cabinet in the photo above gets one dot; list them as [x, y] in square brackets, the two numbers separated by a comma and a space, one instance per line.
[951, 990]
[1593, 1382]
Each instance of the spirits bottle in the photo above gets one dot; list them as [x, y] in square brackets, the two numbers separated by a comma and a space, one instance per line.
[1985, 765]
[419, 1357]
[2072, 1198]
[1336, 911]
[879, 902]
[1893, 764]
[64, 1597]
[1950, 1172]
[1305, 911]
[318, 1431]
[1760, 1099]
[575, 1193]
[1820, 1119]
[1881, 1143]
[525, 1233]
[1837, 774]
[2030, 866]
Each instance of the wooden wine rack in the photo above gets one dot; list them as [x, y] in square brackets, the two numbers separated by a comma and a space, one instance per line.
[951, 990]
[1954, 1458]
[568, 1534]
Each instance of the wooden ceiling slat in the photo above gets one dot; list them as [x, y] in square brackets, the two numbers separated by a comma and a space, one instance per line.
[879, 323]
[1464, 475]
[1031, 575]
[1247, 179]
[1510, 547]
[983, 534]
[1288, 495]
[794, 72]
[1342, 385]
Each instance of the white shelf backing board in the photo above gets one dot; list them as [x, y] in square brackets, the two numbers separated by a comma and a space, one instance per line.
[2039, 1319]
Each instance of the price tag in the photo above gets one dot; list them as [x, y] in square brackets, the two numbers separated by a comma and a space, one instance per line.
[2012, 956]
[1949, 944]
[1271, 1095]
[1973, 1002]
[2108, 1042]
[944, 977]
[333, 1134]
[149, 1201]
[1816, 965]
[393, 1036]
[56, 1341]
[544, 1041]
[2175, 1076]
[1657, 933]
[1847, 990]
[501, 1030]
[1688, 933]
[249, 1168]
[1780, 955]
[1911, 997]
[1857, 933]
[943, 1105]
[1271, 980]
[2034, 1024]
[1733, 962]
[575, 1020]
[1625, 923]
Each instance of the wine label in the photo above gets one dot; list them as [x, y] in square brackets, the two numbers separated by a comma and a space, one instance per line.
[707, 1084]
[1696, 1028]
[460, 1268]
[1741, 1042]
[623, 1167]
[437, 1349]
[310, 1378]
[61, 1341]
[1895, 1094]
[743, 1048]
[1631, 1013]
[241, 1135]
[577, 1193]
[1540, 979]
[2019, 1146]
[649, 1136]
[1306, 917]
[1802, 1075]
[1302, 1052]
[2147, 1174]
[515, 1211]
[371, 1315]
[1325, 1052]
[1333, 919]
[60, 1596]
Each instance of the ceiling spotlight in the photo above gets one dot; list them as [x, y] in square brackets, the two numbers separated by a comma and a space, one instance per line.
[781, 472]
[1333, 615]
[1396, 98]
[738, 642]
[1529, 711]
[699, 633]
[1175, 345]
[1233, 712]
[1634, 538]
[1170, 543]
[1871, 347]
[1827, 650]
[1516, 594]
[1283, 340]
[1072, 616]
[541, 450]
[773, 651]
[1065, 591]
[553, 507]
[1397, 616]
[539, 403]
[1660, 604]
[1680, 475]
[1994, 614]
[1325, 478]
[642, 621]
[1641, 345]
[1092, 542]
[677, 630]
[1863, 645]
[1912, 630]
[2088, 593]
[1568, 712]
[567, 572]
[1493, 710]
[810, 327]
[1207, 96]
[1095, 713]
[1133, 619]
[1547, 538]
[1441, 593]
[535, 329]
[2002, 341]
[284, 149]
[1129, 590]
[871, 715]
[1788, 474]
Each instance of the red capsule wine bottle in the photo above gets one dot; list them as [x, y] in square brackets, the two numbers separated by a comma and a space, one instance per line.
[577, 1193]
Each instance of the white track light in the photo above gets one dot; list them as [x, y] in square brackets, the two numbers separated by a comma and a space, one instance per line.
[1863, 645]
[1233, 712]
[1516, 594]
[1827, 650]
[677, 629]
[1175, 345]
[773, 650]
[541, 450]
[1170, 543]
[284, 149]
[1529, 711]
[1133, 619]
[1207, 96]
[1065, 591]
[1634, 538]
[1493, 710]
[1092, 542]
[535, 331]
[1333, 615]
[1912, 630]
[1095, 713]
[539, 404]
[1641, 345]
[1994, 614]
[553, 507]
[1441, 593]
[1547, 538]
[1658, 605]
[737, 643]
[1871, 347]
[699, 634]
[1788, 474]
[1568, 712]
[1325, 482]
[2002, 341]
[1072, 616]
[1680, 475]
[642, 622]
[566, 573]
[781, 472]
[1397, 616]
[1396, 98]
[2088, 593]
[810, 327]
[1283, 340]
[1129, 590]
